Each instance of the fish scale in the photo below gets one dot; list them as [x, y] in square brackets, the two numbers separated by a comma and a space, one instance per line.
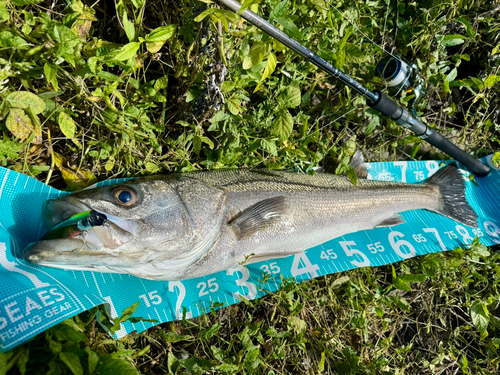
[183, 226]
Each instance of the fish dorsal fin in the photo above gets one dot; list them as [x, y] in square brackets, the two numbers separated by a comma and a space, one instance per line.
[259, 217]
[359, 165]
[391, 221]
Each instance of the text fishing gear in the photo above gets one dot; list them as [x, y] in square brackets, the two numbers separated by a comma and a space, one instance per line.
[76, 225]
[376, 99]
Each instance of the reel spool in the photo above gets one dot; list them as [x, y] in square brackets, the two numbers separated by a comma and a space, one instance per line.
[399, 76]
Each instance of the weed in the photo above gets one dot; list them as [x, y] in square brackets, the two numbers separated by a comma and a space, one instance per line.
[95, 90]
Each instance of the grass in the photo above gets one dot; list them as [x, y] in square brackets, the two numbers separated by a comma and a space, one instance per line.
[98, 90]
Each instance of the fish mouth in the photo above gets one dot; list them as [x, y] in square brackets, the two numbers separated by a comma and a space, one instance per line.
[55, 211]
[80, 249]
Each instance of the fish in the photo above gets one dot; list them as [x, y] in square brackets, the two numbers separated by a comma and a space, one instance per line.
[187, 225]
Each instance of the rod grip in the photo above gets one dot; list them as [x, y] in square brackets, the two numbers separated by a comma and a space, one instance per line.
[401, 116]
[474, 165]
[386, 106]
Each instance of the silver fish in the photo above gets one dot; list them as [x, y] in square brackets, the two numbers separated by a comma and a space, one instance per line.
[182, 226]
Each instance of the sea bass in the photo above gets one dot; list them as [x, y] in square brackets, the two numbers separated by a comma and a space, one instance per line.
[183, 226]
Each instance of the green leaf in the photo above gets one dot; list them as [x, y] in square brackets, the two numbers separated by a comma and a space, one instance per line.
[67, 42]
[468, 27]
[126, 52]
[19, 123]
[22, 3]
[227, 368]
[161, 83]
[450, 40]
[375, 121]
[9, 149]
[355, 55]
[208, 141]
[399, 283]
[66, 124]
[92, 64]
[8, 39]
[491, 80]
[161, 34]
[196, 365]
[50, 71]
[4, 13]
[66, 332]
[496, 159]
[197, 144]
[256, 55]
[114, 366]
[93, 360]
[290, 28]
[204, 14]
[452, 75]
[480, 317]
[157, 38]
[269, 146]
[268, 70]
[233, 105]
[282, 125]
[291, 97]
[72, 361]
[247, 4]
[280, 10]
[129, 28]
[172, 363]
[128, 312]
[297, 324]
[109, 76]
[26, 99]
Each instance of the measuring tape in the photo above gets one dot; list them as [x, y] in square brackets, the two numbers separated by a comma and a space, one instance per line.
[35, 298]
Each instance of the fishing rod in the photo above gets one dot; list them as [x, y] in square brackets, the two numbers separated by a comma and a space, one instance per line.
[393, 69]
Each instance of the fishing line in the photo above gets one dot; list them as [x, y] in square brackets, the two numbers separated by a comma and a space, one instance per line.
[373, 42]
[361, 32]
[324, 126]
[394, 70]
[385, 22]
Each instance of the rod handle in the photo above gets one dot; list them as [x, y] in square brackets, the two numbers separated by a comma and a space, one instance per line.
[401, 116]
[474, 165]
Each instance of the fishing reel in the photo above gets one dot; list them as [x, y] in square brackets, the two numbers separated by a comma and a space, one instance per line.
[399, 76]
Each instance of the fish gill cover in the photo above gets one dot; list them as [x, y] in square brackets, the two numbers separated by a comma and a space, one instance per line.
[34, 298]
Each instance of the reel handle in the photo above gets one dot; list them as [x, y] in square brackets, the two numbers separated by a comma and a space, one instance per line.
[401, 116]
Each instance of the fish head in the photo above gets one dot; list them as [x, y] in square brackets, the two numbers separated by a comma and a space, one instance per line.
[159, 223]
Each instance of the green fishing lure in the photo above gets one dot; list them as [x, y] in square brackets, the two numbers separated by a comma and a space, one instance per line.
[76, 224]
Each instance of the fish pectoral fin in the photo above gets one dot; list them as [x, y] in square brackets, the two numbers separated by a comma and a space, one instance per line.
[389, 222]
[258, 217]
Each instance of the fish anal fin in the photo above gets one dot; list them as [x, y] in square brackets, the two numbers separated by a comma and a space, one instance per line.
[267, 256]
[259, 217]
[391, 221]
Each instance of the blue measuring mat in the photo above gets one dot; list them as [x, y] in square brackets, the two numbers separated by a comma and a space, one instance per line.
[34, 298]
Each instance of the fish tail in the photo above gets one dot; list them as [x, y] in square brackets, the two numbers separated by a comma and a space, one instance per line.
[453, 203]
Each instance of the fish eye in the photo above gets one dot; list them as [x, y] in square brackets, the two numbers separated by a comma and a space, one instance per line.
[126, 197]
